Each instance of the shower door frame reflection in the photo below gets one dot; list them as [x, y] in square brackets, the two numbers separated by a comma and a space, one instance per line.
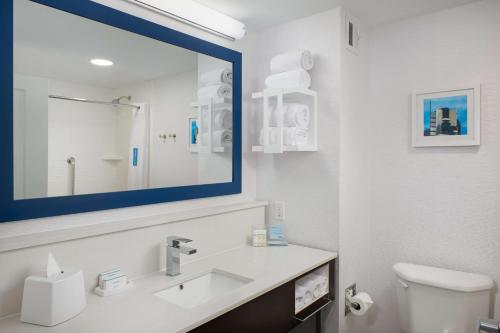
[13, 210]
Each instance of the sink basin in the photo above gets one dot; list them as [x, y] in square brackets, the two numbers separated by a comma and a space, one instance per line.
[202, 289]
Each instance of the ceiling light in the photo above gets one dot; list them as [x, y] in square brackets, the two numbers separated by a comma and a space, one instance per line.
[101, 62]
[198, 15]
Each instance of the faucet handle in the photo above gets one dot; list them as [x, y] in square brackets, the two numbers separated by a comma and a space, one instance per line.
[174, 241]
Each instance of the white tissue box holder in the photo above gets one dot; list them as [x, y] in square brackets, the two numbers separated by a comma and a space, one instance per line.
[51, 301]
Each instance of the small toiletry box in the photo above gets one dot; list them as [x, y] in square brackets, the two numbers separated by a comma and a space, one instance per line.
[51, 301]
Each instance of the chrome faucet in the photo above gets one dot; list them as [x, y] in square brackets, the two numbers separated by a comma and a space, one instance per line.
[488, 325]
[174, 250]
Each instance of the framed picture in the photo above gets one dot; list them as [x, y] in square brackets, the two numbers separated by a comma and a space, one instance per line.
[450, 117]
[193, 134]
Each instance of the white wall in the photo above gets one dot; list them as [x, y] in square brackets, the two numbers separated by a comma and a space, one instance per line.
[434, 206]
[307, 181]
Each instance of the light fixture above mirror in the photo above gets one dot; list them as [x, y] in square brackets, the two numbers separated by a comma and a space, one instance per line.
[197, 15]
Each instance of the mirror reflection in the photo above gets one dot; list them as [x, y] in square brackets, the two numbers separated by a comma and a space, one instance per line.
[98, 109]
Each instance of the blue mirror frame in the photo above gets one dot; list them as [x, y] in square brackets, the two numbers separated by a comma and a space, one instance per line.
[14, 210]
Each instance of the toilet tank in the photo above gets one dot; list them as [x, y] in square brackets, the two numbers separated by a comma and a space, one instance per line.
[436, 300]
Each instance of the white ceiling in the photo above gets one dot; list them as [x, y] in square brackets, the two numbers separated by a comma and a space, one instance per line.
[50, 43]
[259, 14]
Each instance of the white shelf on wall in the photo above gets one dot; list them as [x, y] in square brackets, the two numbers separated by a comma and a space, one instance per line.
[112, 157]
[209, 105]
[279, 98]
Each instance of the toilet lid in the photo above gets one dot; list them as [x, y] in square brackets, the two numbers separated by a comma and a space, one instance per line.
[443, 278]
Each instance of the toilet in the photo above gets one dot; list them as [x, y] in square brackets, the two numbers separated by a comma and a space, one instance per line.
[436, 300]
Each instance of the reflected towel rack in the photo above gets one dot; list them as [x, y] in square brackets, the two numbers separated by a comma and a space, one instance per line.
[84, 100]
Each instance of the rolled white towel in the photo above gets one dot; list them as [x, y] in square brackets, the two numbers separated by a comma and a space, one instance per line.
[294, 136]
[311, 286]
[306, 291]
[292, 60]
[322, 282]
[300, 296]
[222, 138]
[222, 90]
[297, 78]
[295, 115]
[216, 76]
[223, 119]
[272, 133]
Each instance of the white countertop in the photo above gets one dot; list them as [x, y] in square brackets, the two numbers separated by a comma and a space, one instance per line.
[139, 311]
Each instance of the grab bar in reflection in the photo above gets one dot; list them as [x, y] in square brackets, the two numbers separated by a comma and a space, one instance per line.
[72, 179]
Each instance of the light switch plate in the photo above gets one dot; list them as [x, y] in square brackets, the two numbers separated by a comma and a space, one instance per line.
[279, 210]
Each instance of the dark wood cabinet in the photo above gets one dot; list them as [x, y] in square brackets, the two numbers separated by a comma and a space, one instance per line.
[272, 312]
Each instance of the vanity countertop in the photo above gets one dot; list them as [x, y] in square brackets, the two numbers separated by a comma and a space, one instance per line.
[139, 311]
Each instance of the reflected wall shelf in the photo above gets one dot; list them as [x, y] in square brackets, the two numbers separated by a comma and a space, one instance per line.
[273, 100]
[112, 157]
[205, 110]
[214, 149]
[260, 149]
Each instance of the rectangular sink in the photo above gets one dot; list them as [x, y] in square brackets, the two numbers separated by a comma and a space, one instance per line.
[202, 289]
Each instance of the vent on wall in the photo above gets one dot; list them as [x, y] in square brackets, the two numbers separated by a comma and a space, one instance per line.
[195, 14]
[351, 34]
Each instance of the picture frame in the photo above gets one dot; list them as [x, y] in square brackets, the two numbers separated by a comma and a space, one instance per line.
[193, 130]
[446, 117]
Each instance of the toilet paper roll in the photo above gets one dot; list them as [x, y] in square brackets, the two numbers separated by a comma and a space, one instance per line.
[365, 302]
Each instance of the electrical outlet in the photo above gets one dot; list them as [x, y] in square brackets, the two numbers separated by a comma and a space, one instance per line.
[279, 210]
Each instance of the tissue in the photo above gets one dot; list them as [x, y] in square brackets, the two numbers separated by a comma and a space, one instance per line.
[53, 268]
[365, 302]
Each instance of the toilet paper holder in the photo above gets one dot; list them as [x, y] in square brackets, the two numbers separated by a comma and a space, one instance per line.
[357, 303]
[349, 293]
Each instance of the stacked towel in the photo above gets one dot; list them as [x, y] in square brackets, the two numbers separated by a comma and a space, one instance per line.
[222, 90]
[292, 136]
[216, 77]
[297, 78]
[220, 138]
[223, 119]
[295, 115]
[309, 283]
[292, 60]
[301, 293]
[303, 296]
[321, 281]
[289, 70]
[217, 83]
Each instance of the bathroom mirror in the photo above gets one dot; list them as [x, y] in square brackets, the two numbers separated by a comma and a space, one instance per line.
[108, 110]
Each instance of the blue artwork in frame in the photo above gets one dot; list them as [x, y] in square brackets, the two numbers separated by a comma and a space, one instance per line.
[13, 210]
[446, 117]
